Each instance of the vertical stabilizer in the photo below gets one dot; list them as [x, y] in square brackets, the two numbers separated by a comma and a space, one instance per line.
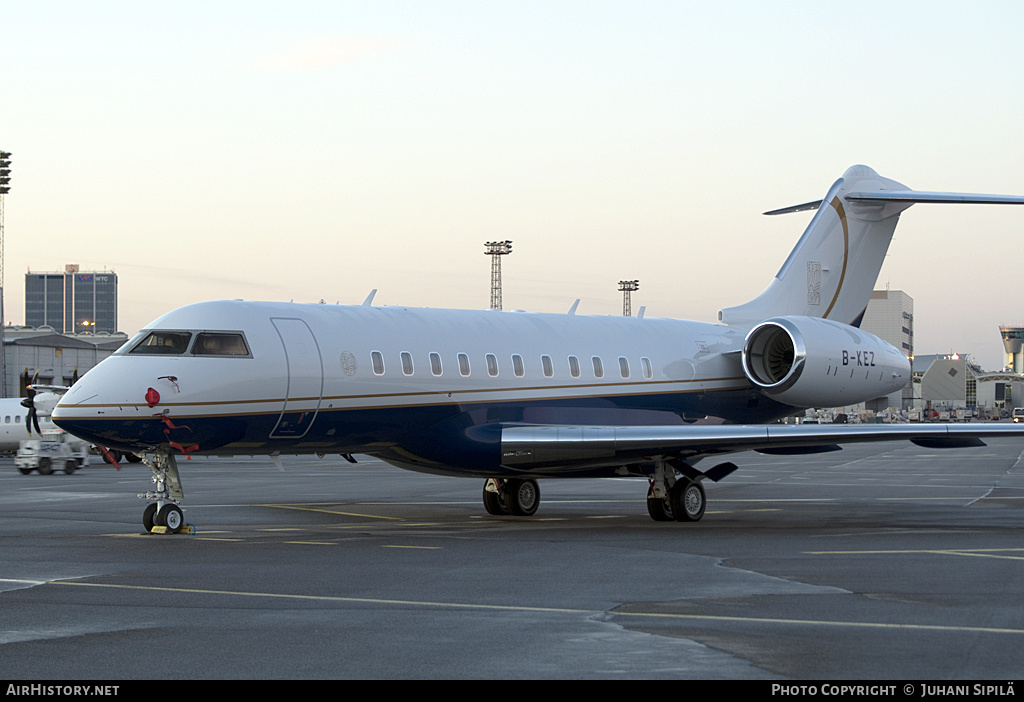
[833, 268]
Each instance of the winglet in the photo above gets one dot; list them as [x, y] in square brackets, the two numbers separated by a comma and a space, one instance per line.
[369, 298]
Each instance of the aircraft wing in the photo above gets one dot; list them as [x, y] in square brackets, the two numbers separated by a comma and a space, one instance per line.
[560, 446]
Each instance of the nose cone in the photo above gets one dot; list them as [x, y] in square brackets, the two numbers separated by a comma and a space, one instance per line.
[76, 414]
[94, 411]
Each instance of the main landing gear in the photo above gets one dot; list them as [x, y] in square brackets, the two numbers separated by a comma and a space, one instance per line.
[684, 502]
[511, 496]
[164, 511]
[676, 493]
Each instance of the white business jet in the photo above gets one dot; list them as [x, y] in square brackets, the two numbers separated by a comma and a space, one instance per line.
[511, 397]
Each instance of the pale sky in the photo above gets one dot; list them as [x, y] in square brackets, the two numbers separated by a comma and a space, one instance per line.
[317, 150]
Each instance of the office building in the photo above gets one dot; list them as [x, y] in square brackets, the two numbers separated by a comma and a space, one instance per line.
[72, 302]
[890, 317]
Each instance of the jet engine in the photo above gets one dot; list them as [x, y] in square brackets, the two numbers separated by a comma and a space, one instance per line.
[813, 362]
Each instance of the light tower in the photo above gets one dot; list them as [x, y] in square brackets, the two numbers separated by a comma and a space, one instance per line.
[5, 187]
[626, 287]
[496, 249]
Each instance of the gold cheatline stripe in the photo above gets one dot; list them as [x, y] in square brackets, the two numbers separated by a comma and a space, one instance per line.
[321, 408]
[838, 206]
[639, 384]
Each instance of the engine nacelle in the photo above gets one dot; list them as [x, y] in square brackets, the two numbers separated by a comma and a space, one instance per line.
[812, 362]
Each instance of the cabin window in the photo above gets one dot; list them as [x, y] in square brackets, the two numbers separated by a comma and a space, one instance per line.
[435, 363]
[378, 362]
[598, 367]
[492, 365]
[645, 366]
[574, 367]
[545, 362]
[463, 364]
[17, 419]
[407, 366]
[219, 344]
[517, 365]
[163, 343]
[7, 419]
[623, 367]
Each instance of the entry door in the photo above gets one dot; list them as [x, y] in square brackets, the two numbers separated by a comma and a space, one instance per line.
[305, 378]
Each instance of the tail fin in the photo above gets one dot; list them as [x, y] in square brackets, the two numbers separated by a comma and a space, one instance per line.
[833, 268]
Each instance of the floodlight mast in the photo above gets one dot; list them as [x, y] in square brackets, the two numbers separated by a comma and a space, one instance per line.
[5, 187]
[626, 287]
[496, 249]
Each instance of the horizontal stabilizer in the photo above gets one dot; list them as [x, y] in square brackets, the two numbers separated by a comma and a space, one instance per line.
[796, 208]
[910, 196]
[913, 196]
[832, 269]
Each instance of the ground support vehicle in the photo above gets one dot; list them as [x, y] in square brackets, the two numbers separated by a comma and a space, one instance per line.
[56, 450]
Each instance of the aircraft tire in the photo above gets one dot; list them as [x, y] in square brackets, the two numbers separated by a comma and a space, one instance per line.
[659, 509]
[45, 467]
[171, 517]
[688, 501]
[522, 497]
[149, 517]
[494, 502]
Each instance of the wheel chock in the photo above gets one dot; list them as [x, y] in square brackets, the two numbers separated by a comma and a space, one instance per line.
[187, 529]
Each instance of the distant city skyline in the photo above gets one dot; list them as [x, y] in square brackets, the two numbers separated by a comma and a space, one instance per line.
[318, 150]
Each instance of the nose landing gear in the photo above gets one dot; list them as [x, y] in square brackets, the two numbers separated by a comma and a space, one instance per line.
[164, 515]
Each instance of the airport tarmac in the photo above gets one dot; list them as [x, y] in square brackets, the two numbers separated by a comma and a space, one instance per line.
[881, 561]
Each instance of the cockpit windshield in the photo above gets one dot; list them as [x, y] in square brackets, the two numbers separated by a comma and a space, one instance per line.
[184, 343]
[164, 343]
[219, 344]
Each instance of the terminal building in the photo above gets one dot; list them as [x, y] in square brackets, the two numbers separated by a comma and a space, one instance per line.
[70, 326]
[953, 381]
[45, 356]
[72, 301]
